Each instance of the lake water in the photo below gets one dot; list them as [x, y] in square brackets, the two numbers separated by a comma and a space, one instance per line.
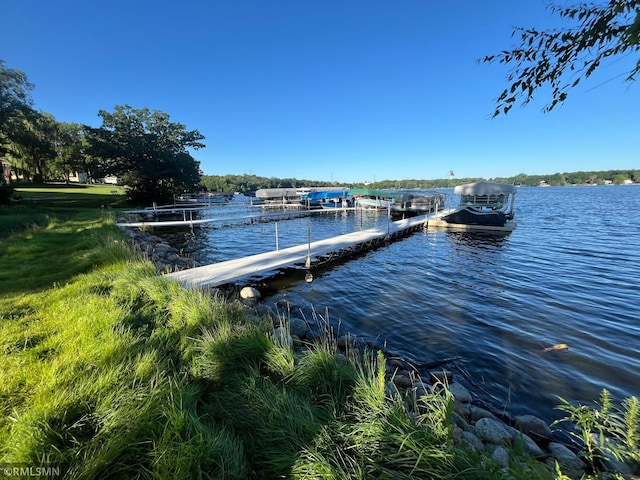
[568, 274]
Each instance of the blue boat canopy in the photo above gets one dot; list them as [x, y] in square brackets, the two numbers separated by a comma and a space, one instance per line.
[326, 194]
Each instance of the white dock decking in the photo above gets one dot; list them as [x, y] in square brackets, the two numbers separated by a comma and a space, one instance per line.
[232, 270]
[257, 216]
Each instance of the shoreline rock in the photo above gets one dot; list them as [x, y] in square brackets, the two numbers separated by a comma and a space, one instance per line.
[165, 257]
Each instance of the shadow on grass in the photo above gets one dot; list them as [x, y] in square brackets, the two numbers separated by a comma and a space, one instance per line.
[42, 257]
[38, 205]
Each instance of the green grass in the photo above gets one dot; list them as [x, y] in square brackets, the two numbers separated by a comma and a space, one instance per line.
[110, 371]
[71, 196]
[40, 204]
[43, 256]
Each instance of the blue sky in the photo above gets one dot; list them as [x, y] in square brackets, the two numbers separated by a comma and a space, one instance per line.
[328, 90]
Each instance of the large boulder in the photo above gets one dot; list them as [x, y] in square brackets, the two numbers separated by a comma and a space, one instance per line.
[565, 457]
[249, 293]
[535, 428]
[460, 393]
[298, 327]
[494, 431]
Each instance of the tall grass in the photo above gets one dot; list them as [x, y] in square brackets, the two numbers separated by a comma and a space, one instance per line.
[96, 383]
[605, 431]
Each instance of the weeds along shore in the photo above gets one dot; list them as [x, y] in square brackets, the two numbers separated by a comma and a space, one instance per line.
[110, 370]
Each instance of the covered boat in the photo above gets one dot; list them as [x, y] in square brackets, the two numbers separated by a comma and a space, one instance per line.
[417, 202]
[327, 198]
[279, 196]
[372, 199]
[483, 206]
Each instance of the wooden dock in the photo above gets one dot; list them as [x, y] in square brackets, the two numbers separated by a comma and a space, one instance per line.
[262, 264]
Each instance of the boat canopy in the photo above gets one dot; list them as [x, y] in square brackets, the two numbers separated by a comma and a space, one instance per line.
[292, 192]
[484, 188]
[326, 194]
[276, 192]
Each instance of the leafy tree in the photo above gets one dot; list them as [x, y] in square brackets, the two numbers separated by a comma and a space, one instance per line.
[147, 152]
[70, 146]
[577, 178]
[15, 97]
[619, 178]
[32, 144]
[561, 58]
[15, 104]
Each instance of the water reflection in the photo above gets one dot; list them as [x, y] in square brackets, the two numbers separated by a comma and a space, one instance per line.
[479, 239]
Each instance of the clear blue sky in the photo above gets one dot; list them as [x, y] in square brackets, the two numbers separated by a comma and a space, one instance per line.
[344, 90]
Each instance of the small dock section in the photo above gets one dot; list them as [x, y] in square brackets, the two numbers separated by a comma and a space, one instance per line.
[263, 264]
[190, 221]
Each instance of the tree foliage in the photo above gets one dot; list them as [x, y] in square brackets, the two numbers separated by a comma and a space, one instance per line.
[561, 58]
[147, 152]
[15, 93]
[33, 145]
[70, 147]
[15, 103]
[248, 184]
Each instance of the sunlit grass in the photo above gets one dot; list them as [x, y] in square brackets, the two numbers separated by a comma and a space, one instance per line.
[40, 205]
[53, 254]
[59, 190]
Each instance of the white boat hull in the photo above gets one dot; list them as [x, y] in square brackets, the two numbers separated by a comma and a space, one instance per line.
[373, 203]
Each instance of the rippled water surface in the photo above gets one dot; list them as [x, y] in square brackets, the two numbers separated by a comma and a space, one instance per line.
[567, 274]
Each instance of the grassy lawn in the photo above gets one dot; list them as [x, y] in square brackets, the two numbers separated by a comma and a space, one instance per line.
[56, 196]
[39, 204]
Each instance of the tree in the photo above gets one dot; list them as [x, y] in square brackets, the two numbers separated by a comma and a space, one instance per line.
[619, 178]
[147, 152]
[15, 104]
[561, 58]
[32, 144]
[70, 145]
[15, 94]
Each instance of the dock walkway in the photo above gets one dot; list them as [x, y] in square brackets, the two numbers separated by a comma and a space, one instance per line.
[255, 265]
[258, 217]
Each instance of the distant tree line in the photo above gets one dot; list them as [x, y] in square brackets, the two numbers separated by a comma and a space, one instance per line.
[615, 177]
[248, 184]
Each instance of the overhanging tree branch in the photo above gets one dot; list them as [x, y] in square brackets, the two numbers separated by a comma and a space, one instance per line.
[562, 58]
